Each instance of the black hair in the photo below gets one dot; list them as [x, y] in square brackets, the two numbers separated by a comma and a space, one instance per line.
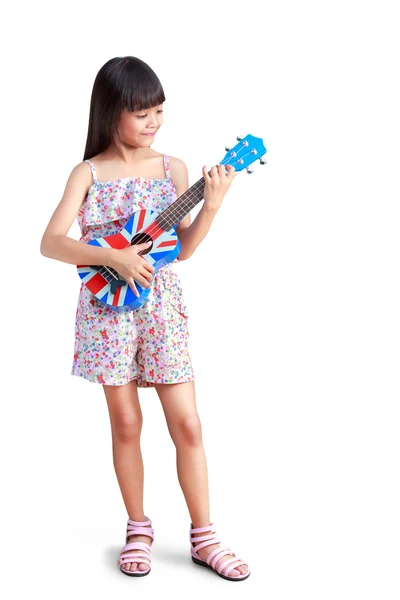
[124, 82]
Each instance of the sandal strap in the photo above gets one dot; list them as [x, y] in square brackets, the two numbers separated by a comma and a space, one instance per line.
[129, 556]
[241, 562]
[139, 528]
[204, 540]
[137, 558]
[143, 556]
[139, 546]
[201, 529]
[222, 550]
[225, 563]
[206, 543]
[210, 536]
[143, 523]
[131, 530]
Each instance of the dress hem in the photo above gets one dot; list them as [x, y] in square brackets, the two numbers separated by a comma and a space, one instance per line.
[150, 381]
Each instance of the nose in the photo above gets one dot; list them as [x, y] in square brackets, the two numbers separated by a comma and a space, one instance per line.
[153, 121]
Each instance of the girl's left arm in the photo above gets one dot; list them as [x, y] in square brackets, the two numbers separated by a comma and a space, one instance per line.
[192, 234]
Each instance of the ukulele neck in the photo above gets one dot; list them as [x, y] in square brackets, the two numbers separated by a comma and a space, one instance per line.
[182, 206]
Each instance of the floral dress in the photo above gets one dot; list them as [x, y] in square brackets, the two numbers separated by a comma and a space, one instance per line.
[149, 344]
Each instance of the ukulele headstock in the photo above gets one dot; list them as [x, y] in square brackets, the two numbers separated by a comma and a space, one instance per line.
[248, 150]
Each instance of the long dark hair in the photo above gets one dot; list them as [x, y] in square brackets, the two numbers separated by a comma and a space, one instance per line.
[122, 82]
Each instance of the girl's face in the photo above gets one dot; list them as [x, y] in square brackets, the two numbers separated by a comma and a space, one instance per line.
[134, 127]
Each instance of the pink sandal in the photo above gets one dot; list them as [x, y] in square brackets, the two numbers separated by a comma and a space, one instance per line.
[215, 555]
[137, 528]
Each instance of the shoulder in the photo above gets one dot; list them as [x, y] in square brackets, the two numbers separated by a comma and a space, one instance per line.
[75, 192]
[80, 169]
[179, 172]
[79, 181]
[179, 175]
[81, 175]
[176, 163]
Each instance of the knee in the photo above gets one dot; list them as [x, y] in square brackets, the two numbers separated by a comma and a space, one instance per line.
[189, 431]
[126, 427]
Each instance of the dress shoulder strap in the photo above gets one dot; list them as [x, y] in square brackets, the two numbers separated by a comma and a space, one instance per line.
[167, 166]
[93, 169]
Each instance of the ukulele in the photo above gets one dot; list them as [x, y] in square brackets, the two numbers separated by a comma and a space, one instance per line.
[146, 225]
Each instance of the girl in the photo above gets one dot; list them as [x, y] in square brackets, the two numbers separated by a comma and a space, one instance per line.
[146, 347]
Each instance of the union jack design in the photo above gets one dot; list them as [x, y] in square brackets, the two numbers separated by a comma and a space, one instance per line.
[101, 281]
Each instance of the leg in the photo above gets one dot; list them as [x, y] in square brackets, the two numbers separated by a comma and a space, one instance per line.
[179, 404]
[126, 425]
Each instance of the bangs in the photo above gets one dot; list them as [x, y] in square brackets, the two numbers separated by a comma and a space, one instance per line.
[140, 91]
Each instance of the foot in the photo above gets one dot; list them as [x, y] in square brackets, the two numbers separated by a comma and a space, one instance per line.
[134, 566]
[204, 552]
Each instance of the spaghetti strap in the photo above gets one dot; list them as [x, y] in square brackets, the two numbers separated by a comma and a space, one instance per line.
[93, 169]
[167, 166]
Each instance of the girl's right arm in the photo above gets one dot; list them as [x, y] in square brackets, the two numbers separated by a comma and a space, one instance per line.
[56, 244]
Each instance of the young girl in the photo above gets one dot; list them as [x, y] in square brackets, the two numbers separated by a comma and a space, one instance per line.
[146, 347]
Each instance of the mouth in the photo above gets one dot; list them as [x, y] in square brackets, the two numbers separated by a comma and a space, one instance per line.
[149, 134]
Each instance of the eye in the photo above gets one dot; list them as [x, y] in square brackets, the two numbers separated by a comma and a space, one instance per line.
[143, 116]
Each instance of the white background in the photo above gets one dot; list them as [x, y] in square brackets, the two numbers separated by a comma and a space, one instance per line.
[293, 299]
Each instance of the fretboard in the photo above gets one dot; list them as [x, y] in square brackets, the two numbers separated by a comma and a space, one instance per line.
[182, 206]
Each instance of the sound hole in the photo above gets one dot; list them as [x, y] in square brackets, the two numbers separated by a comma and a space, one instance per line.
[142, 238]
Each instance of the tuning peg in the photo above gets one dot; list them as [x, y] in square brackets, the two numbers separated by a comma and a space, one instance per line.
[227, 148]
[239, 137]
[249, 170]
[262, 161]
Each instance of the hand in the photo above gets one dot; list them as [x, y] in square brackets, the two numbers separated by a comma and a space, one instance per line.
[131, 266]
[217, 185]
